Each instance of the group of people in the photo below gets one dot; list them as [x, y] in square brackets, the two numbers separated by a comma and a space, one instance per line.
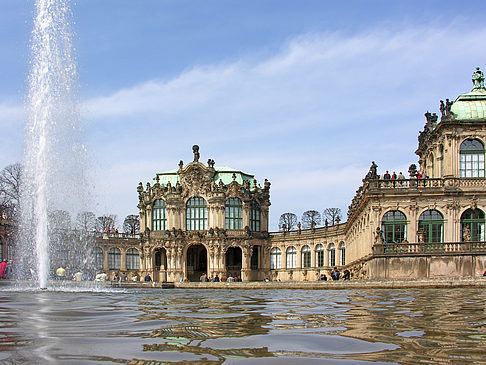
[335, 275]
[5, 269]
[394, 176]
[204, 278]
[65, 274]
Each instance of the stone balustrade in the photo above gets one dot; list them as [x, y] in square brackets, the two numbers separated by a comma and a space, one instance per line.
[394, 249]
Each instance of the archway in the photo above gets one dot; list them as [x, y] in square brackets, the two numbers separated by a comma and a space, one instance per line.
[160, 265]
[197, 262]
[233, 262]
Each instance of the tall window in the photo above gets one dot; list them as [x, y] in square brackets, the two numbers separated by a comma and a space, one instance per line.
[159, 216]
[306, 257]
[234, 214]
[319, 255]
[255, 213]
[342, 254]
[394, 226]
[114, 258]
[275, 258]
[133, 261]
[431, 225]
[98, 258]
[472, 225]
[291, 258]
[332, 254]
[472, 158]
[196, 214]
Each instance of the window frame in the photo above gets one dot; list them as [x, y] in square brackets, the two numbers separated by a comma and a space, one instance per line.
[394, 228]
[196, 214]
[159, 215]
[291, 257]
[431, 225]
[132, 260]
[233, 214]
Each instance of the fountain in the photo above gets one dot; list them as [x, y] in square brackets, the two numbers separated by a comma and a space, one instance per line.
[53, 181]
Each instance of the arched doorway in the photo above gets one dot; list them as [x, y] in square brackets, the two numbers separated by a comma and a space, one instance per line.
[160, 265]
[233, 262]
[196, 262]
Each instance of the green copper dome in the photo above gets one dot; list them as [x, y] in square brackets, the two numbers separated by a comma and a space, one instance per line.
[471, 105]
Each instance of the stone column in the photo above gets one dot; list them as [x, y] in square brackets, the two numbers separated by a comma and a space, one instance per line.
[245, 262]
[284, 257]
[412, 225]
[148, 217]
[123, 259]
[246, 214]
[142, 220]
[105, 260]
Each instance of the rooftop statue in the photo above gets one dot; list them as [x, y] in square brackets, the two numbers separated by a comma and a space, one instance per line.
[195, 149]
[478, 79]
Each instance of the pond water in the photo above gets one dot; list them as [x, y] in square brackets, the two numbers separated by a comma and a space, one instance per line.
[179, 326]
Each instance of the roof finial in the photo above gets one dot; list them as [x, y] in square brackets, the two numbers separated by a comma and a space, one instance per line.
[195, 149]
[478, 79]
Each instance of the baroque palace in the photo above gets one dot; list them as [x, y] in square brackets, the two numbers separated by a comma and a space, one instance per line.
[204, 219]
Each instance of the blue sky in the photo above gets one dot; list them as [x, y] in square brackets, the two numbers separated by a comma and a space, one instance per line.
[304, 93]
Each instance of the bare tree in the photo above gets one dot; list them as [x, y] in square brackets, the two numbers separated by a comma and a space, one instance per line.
[106, 223]
[131, 224]
[332, 215]
[310, 219]
[10, 180]
[86, 221]
[289, 220]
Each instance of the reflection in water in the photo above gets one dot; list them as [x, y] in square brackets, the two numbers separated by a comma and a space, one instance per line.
[243, 326]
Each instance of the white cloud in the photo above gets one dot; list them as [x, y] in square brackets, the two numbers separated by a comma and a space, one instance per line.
[310, 118]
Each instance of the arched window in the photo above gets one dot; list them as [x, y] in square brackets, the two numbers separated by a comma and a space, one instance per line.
[471, 162]
[255, 214]
[472, 225]
[114, 258]
[332, 254]
[98, 258]
[342, 254]
[133, 261]
[306, 257]
[291, 258]
[431, 226]
[275, 258]
[319, 255]
[394, 226]
[159, 216]
[233, 214]
[196, 214]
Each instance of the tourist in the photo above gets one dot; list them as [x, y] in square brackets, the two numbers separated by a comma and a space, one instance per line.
[394, 176]
[386, 175]
[346, 274]
[401, 176]
[230, 279]
[322, 277]
[3, 268]
[335, 274]
[134, 277]
[203, 278]
[61, 273]
[147, 278]
[216, 279]
[78, 276]
[116, 277]
[8, 270]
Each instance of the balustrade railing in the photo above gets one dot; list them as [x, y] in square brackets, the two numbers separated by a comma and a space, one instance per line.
[428, 248]
[407, 183]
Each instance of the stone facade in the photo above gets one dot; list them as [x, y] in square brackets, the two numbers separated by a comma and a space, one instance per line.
[430, 223]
